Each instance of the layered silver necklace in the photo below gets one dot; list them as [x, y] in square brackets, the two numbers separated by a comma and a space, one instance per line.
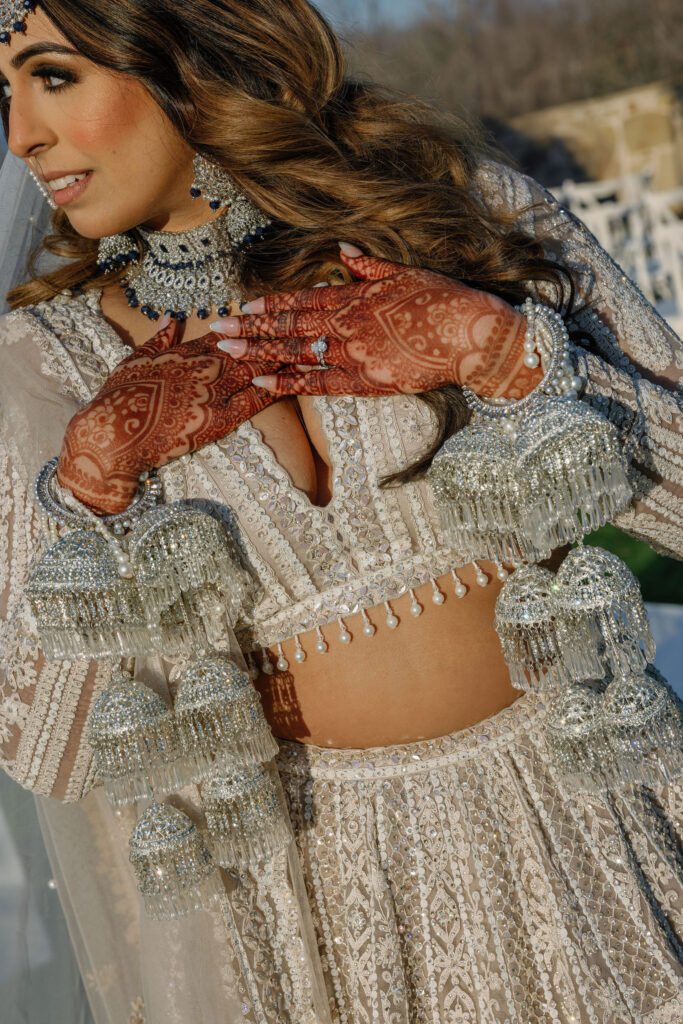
[181, 272]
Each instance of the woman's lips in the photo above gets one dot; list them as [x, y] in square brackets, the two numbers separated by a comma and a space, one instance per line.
[64, 196]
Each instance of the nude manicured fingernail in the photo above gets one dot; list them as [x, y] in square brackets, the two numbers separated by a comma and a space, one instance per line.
[257, 306]
[264, 382]
[350, 250]
[227, 325]
[233, 346]
[165, 321]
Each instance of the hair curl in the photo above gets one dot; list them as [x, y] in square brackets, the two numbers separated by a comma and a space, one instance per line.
[260, 88]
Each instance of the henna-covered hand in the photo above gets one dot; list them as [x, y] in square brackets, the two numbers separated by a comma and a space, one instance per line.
[397, 330]
[164, 400]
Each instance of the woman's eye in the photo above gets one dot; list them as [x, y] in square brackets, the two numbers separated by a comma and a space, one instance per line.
[55, 81]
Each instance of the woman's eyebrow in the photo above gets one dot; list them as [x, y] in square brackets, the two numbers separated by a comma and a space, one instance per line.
[37, 49]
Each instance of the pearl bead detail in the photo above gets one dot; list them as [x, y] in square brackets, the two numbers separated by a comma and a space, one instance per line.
[416, 608]
[531, 360]
[392, 620]
[322, 647]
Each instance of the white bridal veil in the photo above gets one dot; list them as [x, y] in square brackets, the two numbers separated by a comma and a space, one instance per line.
[39, 975]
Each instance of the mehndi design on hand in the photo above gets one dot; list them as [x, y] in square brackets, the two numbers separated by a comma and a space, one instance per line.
[164, 400]
[397, 330]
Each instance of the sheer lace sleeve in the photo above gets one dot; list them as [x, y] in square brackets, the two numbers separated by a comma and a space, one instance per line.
[632, 359]
[43, 705]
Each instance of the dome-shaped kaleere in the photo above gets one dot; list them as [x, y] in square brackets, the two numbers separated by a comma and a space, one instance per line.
[174, 868]
[245, 815]
[644, 732]
[220, 718]
[476, 489]
[137, 748]
[181, 555]
[574, 731]
[598, 592]
[572, 469]
[83, 605]
[532, 632]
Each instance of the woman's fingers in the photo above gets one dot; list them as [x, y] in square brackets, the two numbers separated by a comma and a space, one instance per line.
[335, 381]
[166, 337]
[368, 268]
[293, 351]
[289, 324]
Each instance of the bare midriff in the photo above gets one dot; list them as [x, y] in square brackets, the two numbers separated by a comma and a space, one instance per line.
[434, 674]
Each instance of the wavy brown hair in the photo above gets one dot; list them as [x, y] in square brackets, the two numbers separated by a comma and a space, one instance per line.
[260, 87]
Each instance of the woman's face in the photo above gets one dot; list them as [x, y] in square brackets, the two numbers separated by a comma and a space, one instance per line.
[70, 118]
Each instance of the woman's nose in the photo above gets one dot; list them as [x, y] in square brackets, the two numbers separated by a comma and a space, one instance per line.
[28, 134]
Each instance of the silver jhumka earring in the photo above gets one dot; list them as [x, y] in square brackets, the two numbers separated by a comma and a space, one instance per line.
[213, 184]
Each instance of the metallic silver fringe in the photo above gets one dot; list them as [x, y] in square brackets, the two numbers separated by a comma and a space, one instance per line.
[245, 816]
[83, 607]
[220, 718]
[136, 743]
[174, 868]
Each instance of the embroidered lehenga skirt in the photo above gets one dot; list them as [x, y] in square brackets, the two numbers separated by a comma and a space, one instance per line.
[455, 880]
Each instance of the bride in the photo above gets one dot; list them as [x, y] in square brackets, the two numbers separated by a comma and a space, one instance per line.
[204, 160]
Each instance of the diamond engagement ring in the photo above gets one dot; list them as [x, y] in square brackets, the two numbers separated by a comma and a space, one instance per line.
[319, 349]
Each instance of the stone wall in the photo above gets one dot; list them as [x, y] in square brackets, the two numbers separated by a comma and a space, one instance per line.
[620, 134]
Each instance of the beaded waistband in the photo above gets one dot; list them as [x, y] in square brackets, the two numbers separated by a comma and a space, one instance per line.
[527, 712]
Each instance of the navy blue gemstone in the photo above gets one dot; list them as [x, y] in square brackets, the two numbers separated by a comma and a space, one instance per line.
[183, 248]
[5, 37]
[215, 204]
[145, 309]
[224, 311]
[202, 314]
[153, 315]
[19, 26]
[206, 241]
[195, 193]
[129, 292]
[181, 315]
[133, 303]
[163, 248]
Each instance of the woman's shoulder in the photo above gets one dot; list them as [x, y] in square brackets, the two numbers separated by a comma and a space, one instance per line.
[68, 334]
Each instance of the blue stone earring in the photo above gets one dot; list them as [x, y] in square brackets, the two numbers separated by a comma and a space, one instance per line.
[213, 184]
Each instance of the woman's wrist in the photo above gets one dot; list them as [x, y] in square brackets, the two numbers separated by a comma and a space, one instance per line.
[504, 372]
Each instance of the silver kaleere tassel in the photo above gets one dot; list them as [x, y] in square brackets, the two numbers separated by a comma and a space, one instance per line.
[477, 492]
[572, 466]
[534, 636]
[136, 743]
[83, 605]
[575, 734]
[173, 866]
[220, 718]
[644, 732]
[185, 560]
[245, 816]
[599, 593]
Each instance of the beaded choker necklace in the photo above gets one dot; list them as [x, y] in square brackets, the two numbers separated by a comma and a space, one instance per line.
[183, 271]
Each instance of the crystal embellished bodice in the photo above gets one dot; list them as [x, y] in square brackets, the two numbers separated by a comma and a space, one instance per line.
[313, 565]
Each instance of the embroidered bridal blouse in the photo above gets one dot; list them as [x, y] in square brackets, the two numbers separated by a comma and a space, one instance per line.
[312, 565]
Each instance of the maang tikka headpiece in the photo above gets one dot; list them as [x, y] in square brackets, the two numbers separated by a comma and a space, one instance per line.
[13, 17]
